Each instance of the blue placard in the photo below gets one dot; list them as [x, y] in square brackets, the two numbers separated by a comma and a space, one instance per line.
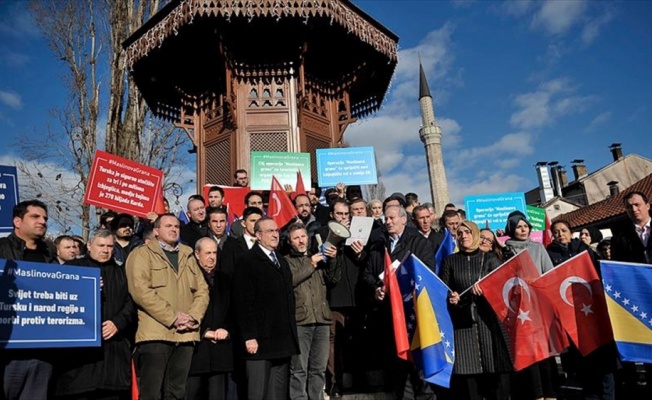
[493, 208]
[49, 305]
[8, 197]
[349, 165]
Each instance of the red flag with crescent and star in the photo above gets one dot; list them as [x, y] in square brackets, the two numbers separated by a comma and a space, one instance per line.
[280, 207]
[574, 290]
[534, 332]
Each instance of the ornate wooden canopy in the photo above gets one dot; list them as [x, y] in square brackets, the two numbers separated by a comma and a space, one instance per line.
[274, 75]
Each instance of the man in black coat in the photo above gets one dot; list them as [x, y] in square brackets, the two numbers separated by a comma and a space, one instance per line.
[342, 299]
[235, 247]
[631, 243]
[26, 243]
[103, 372]
[212, 358]
[398, 242]
[196, 228]
[423, 219]
[263, 298]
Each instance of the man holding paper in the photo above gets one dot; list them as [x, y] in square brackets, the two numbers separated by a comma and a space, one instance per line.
[399, 242]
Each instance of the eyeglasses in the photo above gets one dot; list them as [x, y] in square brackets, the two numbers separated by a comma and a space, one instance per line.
[486, 239]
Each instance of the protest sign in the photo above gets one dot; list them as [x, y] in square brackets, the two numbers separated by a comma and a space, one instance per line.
[537, 217]
[493, 208]
[49, 305]
[284, 166]
[350, 165]
[122, 185]
[8, 197]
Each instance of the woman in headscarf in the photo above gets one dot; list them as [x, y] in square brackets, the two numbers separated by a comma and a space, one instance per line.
[482, 363]
[591, 236]
[540, 380]
[595, 372]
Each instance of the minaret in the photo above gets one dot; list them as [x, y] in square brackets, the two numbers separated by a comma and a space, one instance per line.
[431, 137]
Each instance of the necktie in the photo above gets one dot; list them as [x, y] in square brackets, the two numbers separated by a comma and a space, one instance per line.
[272, 255]
[641, 234]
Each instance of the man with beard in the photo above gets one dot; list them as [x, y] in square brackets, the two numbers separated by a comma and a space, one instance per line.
[213, 356]
[320, 211]
[26, 372]
[122, 227]
[215, 196]
[240, 178]
[196, 228]
[102, 372]
[311, 274]
[342, 299]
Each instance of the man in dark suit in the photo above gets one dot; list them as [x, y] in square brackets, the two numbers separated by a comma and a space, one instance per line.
[228, 258]
[631, 243]
[423, 220]
[235, 247]
[398, 242]
[263, 299]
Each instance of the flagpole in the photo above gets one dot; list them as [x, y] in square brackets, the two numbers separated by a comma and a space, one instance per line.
[490, 273]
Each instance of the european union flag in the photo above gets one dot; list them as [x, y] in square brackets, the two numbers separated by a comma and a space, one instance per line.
[433, 349]
[446, 248]
[628, 291]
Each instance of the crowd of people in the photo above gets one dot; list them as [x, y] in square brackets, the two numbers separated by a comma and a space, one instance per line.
[213, 309]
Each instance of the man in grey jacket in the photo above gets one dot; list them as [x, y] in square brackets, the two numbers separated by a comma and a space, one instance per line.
[310, 276]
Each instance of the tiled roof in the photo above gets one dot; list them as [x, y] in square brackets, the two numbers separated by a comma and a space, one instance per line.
[608, 208]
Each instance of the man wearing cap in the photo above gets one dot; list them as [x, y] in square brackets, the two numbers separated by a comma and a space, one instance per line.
[122, 227]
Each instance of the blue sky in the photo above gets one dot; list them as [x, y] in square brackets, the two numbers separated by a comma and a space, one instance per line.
[513, 82]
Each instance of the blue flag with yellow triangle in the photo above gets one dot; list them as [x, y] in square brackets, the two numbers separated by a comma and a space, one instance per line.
[432, 344]
[628, 292]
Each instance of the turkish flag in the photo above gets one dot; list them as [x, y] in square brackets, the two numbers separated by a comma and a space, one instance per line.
[534, 332]
[547, 233]
[573, 288]
[159, 206]
[299, 188]
[398, 312]
[280, 207]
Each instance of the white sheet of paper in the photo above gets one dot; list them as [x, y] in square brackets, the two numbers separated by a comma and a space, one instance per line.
[360, 229]
[393, 267]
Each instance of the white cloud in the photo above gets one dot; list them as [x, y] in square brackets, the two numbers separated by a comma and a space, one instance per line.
[516, 8]
[17, 22]
[11, 99]
[598, 120]
[513, 146]
[557, 17]
[13, 59]
[551, 100]
[594, 25]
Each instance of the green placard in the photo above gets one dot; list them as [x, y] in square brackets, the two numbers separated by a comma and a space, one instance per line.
[537, 217]
[283, 166]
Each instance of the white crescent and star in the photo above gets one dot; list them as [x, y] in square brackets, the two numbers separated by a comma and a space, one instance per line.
[566, 284]
[277, 202]
[507, 287]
